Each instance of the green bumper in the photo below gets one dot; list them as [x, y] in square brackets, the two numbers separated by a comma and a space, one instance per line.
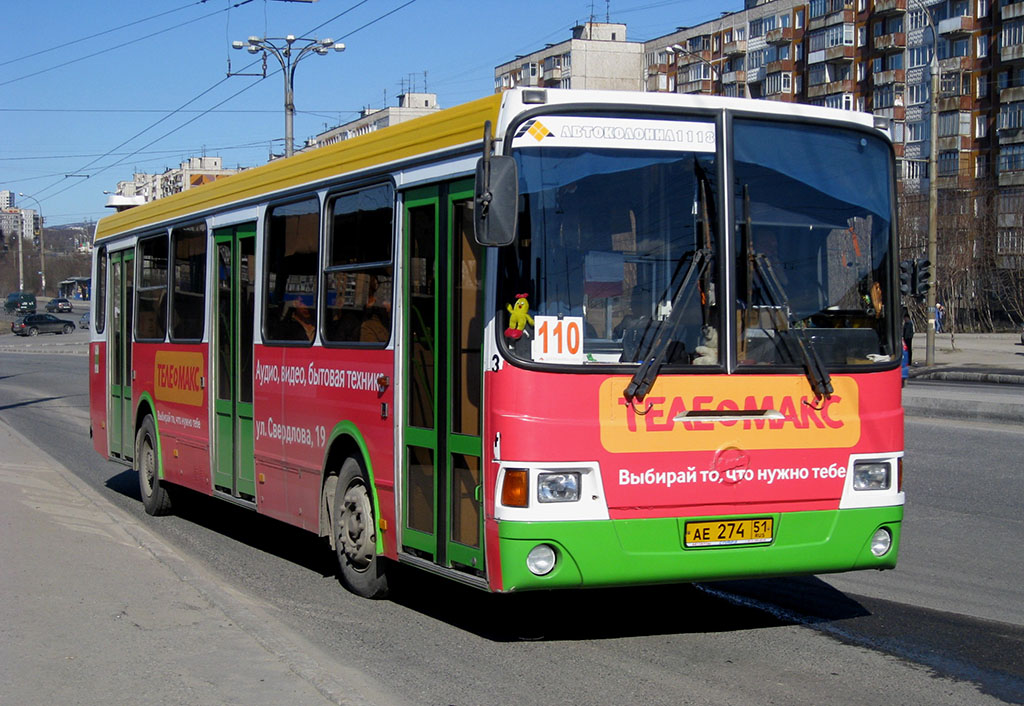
[632, 552]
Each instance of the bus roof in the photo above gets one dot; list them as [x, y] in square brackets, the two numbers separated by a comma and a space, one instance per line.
[445, 129]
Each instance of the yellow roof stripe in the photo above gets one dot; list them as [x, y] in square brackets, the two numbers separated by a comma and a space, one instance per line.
[446, 128]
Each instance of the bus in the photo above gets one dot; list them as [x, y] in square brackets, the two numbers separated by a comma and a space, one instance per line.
[546, 339]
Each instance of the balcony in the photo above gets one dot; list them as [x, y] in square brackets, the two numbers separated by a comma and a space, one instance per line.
[896, 112]
[956, 26]
[695, 57]
[779, 35]
[836, 18]
[734, 77]
[958, 103]
[956, 63]
[897, 41]
[1011, 95]
[841, 53]
[827, 89]
[735, 48]
[553, 74]
[1013, 52]
[755, 75]
[702, 86]
[961, 143]
[883, 78]
[1012, 11]
[890, 7]
[781, 65]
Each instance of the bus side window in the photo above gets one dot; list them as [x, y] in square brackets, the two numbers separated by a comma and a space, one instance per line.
[293, 247]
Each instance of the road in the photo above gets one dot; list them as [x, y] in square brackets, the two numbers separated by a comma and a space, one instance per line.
[946, 627]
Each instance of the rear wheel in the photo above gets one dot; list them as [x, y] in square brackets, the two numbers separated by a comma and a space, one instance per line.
[68, 328]
[155, 498]
[355, 534]
[33, 331]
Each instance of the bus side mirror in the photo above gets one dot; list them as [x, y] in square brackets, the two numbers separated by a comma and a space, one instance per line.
[497, 201]
[497, 197]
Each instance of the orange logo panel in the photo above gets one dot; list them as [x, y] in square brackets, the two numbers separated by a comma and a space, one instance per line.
[754, 412]
[179, 377]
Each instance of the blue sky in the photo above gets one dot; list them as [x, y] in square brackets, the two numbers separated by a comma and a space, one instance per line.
[107, 88]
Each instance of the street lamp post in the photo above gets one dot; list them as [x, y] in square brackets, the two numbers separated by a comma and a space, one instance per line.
[289, 56]
[933, 183]
[42, 265]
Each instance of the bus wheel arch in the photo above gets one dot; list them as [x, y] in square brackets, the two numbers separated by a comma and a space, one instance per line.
[354, 531]
[155, 498]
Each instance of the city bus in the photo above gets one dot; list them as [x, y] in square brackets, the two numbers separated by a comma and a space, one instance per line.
[546, 339]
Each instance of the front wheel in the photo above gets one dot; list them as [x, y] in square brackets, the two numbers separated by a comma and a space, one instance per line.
[355, 534]
[155, 498]
[68, 328]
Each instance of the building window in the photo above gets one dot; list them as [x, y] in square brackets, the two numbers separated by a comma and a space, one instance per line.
[982, 86]
[1011, 158]
[1012, 34]
[915, 131]
[1011, 116]
[949, 163]
[981, 127]
[918, 93]
[981, 166]
[981, 46]
[799, 23]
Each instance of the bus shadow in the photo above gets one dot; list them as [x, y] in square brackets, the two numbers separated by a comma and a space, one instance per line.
[244, 526]
[599, 614]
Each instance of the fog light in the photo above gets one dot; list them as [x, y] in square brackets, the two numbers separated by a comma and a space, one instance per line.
[881, 542]
[871, 475]
[541, 560]
[558, 487]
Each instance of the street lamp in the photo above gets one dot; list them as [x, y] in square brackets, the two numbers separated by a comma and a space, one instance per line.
[933, 184]
[289, 56]
[42, 267]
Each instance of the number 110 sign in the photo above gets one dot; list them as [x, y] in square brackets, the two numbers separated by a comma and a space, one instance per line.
[557, 339]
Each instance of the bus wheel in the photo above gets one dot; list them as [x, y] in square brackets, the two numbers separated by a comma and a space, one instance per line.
[154, 496]
[355, 534]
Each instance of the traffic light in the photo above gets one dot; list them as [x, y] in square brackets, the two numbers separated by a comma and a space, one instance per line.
[906, 268]
[922, 277]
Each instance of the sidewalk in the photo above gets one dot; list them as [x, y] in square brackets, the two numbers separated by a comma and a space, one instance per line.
[97, 610]
[996, 358]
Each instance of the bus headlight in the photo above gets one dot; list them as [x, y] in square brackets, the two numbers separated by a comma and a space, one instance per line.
[541, 560]
[558, 487]
[871, 475]
[881, 541]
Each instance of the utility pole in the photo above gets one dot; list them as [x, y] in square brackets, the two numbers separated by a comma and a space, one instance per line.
[42, 263]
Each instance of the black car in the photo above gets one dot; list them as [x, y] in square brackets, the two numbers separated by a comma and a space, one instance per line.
[59, 305]
[35, 324]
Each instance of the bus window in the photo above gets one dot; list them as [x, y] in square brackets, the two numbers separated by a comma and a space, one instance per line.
[151, 310]
[189, 282]
[358, 279]
[100, 287]
[293, 248]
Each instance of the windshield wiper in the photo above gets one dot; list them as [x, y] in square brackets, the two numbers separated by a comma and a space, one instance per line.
[649, 368]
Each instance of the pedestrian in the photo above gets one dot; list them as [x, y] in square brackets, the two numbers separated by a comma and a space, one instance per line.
[908, 337]
[940, 314]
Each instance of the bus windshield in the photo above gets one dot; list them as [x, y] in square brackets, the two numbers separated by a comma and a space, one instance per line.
[606, 239]
[812, 243]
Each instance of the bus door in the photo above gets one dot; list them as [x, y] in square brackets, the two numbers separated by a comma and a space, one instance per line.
[232, 360]
[442, 493]
[119, 362]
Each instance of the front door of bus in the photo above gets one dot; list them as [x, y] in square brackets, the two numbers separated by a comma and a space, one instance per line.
[232, 340]
[442, 486]
[119, 345]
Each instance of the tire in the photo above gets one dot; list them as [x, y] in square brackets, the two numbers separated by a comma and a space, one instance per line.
[355, 534]
[155, 497]
[68, 328]
[33, 331]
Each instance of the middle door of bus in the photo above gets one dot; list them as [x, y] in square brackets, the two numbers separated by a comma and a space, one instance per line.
[442, 478]
[233, 471]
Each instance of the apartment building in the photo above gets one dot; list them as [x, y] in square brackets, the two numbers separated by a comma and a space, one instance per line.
[144, 188]
[865, 55]
[410, 105]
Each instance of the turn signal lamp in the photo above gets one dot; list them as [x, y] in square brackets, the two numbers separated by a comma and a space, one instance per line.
[515, 488]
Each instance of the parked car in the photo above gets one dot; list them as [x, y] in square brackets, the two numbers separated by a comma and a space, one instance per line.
[85, 321]
[20, 303]
[34, 324]
[59, 305]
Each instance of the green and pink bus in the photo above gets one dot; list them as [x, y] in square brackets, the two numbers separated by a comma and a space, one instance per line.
[547, 339]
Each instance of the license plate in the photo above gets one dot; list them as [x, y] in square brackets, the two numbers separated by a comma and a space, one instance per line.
[717, 533]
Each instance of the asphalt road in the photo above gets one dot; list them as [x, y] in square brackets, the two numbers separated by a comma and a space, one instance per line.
[946, 627]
